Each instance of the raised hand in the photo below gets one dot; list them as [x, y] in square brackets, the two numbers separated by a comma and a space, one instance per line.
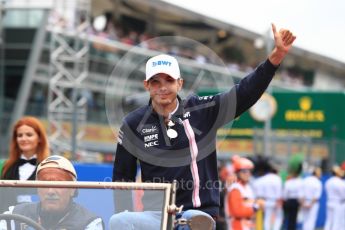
[283, 39]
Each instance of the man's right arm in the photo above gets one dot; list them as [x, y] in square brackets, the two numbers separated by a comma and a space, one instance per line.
[124, 170]
[125, 164]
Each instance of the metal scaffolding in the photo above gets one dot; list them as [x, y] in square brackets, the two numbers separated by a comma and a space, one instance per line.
[69, 59]
[8, 20]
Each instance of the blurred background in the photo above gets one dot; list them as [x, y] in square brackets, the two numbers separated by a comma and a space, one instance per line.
[57, 57]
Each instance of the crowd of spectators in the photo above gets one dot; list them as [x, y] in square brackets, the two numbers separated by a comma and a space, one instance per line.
[110, 29]
[106, 28]
[233, 57]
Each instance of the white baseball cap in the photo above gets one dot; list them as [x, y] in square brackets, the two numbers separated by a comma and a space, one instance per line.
[162, 64]
[59, 162]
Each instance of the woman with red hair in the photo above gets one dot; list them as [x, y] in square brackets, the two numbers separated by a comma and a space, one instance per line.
[29, 142]
[28, 147]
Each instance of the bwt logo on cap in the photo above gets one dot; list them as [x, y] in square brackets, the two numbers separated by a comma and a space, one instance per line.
[162, 64]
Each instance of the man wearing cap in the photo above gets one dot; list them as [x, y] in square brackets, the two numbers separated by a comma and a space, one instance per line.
[56, 209]
[172, 128]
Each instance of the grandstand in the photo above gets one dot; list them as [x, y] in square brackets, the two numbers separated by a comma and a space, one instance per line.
[131, 26]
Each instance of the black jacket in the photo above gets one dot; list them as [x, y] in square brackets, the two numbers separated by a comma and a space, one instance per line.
[191, 157]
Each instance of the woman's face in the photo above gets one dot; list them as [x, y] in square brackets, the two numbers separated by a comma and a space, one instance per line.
[27, 140]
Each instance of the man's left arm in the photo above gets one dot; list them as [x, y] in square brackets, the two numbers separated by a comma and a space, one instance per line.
[250, 89]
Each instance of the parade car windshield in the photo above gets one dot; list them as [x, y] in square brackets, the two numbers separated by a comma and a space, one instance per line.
[25, 204]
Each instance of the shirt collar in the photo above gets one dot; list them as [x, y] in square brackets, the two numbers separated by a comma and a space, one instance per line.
[177, 106]
[178, 110]
[22, 156]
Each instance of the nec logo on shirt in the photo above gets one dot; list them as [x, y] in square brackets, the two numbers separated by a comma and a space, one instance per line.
[155, 63]
[151, 144]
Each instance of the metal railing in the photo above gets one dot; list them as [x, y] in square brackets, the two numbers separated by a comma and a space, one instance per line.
[169, 208]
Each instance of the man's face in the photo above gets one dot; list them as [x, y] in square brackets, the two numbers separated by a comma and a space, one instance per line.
[163, 89]
[54, 199]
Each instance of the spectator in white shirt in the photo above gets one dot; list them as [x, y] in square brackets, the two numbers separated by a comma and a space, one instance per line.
[292, 196]
[335, 190]
[311, 193]
[269, 186]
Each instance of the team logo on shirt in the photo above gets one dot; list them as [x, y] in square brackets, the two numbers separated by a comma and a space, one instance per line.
[186, 115]
[151, 144]
[151, 137]
[205, 98]
[149, 129]
[151, 140]
[150, 133]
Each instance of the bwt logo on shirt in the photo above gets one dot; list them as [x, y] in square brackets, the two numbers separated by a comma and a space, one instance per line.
[155, 63]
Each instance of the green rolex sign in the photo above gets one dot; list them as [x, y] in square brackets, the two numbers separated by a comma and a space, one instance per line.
[313, 114]
[316, 116]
